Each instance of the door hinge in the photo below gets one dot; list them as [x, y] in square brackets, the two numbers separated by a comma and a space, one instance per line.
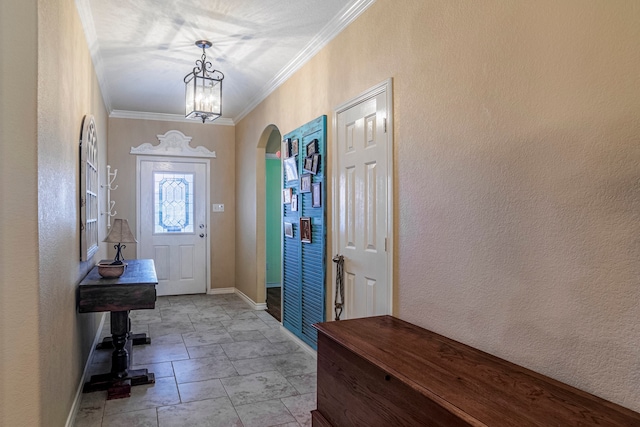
[384, 123]
[385, 244]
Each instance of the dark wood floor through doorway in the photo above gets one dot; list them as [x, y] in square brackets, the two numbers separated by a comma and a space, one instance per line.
[273, 303]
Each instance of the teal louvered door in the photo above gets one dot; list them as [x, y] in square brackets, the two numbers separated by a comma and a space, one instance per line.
[303, 260]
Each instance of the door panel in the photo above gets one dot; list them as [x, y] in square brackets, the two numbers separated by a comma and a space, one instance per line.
[173, 222]
[361, 164]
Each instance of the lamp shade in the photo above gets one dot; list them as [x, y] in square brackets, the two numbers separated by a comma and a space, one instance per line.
[120, 233]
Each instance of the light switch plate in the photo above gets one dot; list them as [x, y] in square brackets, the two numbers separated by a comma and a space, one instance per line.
[217, 207]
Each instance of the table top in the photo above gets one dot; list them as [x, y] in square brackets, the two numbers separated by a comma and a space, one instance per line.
[138, 272]
[134, 290]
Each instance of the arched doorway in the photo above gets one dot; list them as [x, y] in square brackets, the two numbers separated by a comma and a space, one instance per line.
[270, 223]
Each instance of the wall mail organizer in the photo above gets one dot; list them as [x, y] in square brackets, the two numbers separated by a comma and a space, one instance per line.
[304, 249]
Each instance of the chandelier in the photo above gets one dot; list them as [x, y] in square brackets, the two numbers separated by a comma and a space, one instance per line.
[203, 88]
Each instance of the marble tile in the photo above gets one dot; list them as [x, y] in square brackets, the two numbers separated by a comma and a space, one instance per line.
[178, 309]
[160, 329]
[207, 316]
[102, 356]
[253, 349]
[105, 331]
[157, 353]
[145, 316]
[240, 314]
[289, 364]
[209, 325]
[264, 414]
[213, 350]
[142, 418]
[234, 302]
[240, 325]
[229, 296]
[164, 392]
[272, 323]
[297, 363]
[160, 370]
[204, 413]
[275, 335]
[91, 409]
[246, 336]
[208, 368]
[201, 390]
[301, 407]
[167, 339]
[254, 366]
[212, 310]
[263, 314]
[162, 302]
[304, 384]
[176, 300]
[138, 327]
[257, 387]
[99, 368]
[193, 339]
[206, 301]
[171, 317]
[208, 347]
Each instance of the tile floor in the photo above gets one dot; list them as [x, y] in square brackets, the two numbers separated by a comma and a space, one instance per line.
[216, 363]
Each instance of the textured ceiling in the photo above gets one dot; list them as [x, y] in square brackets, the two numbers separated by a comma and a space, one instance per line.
[143, 49]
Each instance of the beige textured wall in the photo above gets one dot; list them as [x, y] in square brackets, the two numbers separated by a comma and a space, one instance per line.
[517, 173]
[67, 90]
[19, 368]
[44, 342]
[127, 133]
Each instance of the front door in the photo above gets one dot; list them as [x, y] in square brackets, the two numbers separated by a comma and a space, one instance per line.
[173, 224]
[364, 204]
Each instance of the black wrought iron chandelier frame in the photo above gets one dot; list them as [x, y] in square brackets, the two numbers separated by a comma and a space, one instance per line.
[204, 70]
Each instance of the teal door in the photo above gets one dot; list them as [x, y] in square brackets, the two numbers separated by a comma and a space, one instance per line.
[304, 229]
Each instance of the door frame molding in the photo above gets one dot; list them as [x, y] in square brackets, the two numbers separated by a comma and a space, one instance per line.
[206, 162]
[384, 87]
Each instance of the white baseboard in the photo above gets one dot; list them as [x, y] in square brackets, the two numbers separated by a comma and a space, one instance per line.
[252, 303]
[301, 343]
[71, 419]
[218, 291]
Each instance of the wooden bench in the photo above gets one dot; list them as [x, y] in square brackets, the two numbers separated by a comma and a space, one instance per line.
[382, 371]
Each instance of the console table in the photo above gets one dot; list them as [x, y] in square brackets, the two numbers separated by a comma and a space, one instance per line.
[382, 371]
[134, 290]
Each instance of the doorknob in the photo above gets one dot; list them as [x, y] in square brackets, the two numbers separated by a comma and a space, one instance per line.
[201, 225]
[201, 234]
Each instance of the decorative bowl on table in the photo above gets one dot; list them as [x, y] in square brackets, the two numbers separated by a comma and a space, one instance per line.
[111, 271]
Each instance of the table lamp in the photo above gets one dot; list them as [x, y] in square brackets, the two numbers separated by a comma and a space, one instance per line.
[120, 233]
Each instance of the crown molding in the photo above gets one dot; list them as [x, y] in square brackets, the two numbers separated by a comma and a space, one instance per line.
[86, 19]
[332, 29]
[138, 115]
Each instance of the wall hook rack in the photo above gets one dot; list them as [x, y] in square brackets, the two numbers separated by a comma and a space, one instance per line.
[111, 176]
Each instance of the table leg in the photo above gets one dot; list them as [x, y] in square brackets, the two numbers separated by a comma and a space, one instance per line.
[119, 332]
[119, 381]
[136, 339]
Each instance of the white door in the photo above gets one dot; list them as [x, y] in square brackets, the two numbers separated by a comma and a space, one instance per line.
[172, 223]
[363, 198]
